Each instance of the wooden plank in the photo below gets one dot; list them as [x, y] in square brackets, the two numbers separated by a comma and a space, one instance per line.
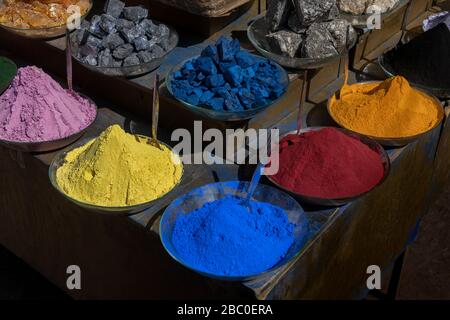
[372, 56]
[372, 42]
[196, 24]
[417, 8]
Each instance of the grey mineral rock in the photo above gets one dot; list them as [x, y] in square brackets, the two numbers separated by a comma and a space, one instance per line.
[286, 41]
[121, 36]
[108, 23]
[338, 29]
[124, 24]
[135, 13]
[308, 11]
[294, 24]
[145, 56]
[381, 6]
[89, 49]
[112, 41]
[114, 7]
[157, 51]
[130, 34]
[318, 43]
[123, 51]
[333, 13]
[131, 60]
[95, 29]
[358, 7]
[278, 13]
[105, 58]
[142, 43]
[91, 60]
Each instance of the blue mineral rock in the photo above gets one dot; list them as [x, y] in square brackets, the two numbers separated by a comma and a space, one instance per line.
[215, 80]
[225, 78]
[206, 65]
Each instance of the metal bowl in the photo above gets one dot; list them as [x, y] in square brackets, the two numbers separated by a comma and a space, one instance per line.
[211, 192]
[59, 160]
[393, 141]
[361, 20]
[334, 202]
[44, 33]
[370, 71]
[226, 115]
[128, 71]
[8, 71]
[257, 32]
[443, 93]
[50, 145]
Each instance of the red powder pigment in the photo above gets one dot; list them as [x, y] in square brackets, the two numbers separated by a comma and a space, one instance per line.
[327, 164]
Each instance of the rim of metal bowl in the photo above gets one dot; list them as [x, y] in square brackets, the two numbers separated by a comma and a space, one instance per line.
[391, 73]
[12, 63]
[23, 145]
[371, 143]
[271, 54]
[173, 33]
[394, 141]
[230, 278]
[205, 111]
[43, 29]
[114, 210]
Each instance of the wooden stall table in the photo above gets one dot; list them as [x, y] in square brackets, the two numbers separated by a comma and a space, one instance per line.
[122, 257]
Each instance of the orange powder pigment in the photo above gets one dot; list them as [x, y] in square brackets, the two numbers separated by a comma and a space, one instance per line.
[390, 109]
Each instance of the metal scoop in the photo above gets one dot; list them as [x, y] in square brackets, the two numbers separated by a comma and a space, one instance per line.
[155, 113]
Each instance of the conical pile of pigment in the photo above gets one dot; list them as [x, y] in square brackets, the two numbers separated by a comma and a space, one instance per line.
[36, 108]
[224, 237]
[327, 164]
[390, 109]
[117, 170]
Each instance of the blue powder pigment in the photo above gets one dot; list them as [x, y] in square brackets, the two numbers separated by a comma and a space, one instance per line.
[224, 238]
[224, 78]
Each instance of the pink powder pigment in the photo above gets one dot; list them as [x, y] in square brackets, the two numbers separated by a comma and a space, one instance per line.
[36, 108]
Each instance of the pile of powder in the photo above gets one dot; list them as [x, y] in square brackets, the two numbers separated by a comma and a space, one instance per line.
[327, 164]
[425, 60]
[117, 170]
[36, 108]
[224, 78]
[224, 238]
[391, 109]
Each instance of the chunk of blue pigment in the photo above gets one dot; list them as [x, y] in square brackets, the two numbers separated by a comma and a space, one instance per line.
[224, 238]
[244, 59]
[227, 49]
[205, 65]
[215, 80]
[206, 96]
[211, 52]
[234, 75]
[224, 70]
[246, 97]
[215, 103]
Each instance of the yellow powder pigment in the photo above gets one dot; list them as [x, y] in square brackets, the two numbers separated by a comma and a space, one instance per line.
[117, 170]
[391, 109]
